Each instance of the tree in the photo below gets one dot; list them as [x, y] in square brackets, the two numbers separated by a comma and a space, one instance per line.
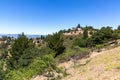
[19, 46]
[55, 42]
[42, 37]
[68, 30]
[90, 28]
[115, 35]
[63, 31]
[78, 26]
[85, 33]
[97, 38]
[118, 27]
[106, 33]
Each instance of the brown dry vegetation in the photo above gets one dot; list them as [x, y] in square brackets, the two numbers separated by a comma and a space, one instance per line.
[104, 65]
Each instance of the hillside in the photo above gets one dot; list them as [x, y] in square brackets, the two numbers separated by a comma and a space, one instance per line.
[61, 57]
[104, 65]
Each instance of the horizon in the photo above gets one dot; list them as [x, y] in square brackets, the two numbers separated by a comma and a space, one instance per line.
[20, 33]
[27, 35]
[42, 17]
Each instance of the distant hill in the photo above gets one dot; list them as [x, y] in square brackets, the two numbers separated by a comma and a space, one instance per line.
[16, 35]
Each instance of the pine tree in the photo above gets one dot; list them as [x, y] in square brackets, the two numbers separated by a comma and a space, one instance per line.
[55, 43]
[19, 46]
[85, 33]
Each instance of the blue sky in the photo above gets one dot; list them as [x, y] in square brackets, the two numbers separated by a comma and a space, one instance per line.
[48, 16]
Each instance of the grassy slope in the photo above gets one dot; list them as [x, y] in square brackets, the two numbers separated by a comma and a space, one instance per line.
[99, 66]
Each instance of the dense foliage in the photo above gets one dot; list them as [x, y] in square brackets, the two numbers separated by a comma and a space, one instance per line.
[21, 59]
[55, 42]
[18, 51]
[85, 33]
[105, 34]
[40, 65]
[24, 60]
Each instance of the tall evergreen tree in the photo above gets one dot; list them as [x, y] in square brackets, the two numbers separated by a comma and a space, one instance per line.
[85, 33]
[118, 27]
[19, 46]
[55, 43]
[78, 26]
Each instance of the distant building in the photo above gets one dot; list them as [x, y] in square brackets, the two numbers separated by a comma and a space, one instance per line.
[74, 31]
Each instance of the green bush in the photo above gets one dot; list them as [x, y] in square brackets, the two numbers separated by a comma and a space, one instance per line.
[39, 66]
[2, 72]
[28, 56]
[42, 65]
[81, 42]
[13, 75]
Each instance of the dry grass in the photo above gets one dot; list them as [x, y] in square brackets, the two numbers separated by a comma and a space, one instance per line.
[104, 65]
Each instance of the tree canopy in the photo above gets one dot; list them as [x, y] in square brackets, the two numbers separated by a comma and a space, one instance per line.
[55, 42]
[19, 46]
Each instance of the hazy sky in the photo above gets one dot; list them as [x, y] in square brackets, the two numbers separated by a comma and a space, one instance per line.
[47, 16]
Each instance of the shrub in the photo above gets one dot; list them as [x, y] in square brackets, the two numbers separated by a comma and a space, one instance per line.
[28, 56]
[2, 72]
[43, 64]
[13, 75]
[39, 66]
[81, 42]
